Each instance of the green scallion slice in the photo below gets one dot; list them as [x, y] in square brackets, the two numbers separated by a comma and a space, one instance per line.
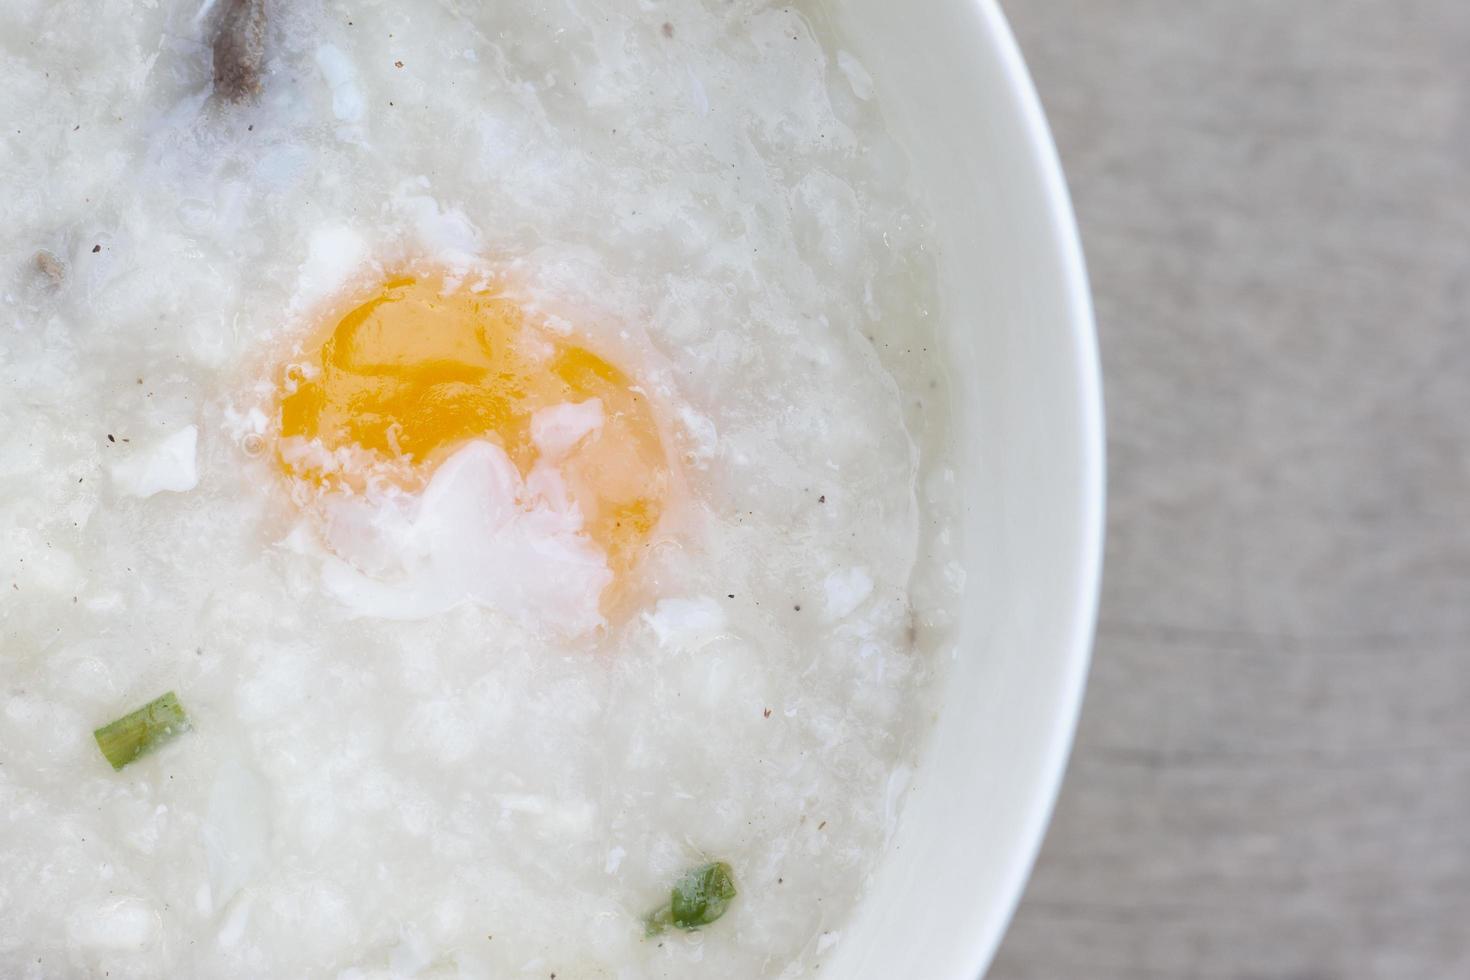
[142, 731]
[699, 897]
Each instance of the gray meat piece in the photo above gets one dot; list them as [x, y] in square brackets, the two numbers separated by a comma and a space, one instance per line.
[239, 50]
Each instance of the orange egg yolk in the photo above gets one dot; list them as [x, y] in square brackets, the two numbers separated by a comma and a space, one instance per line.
[418, 369]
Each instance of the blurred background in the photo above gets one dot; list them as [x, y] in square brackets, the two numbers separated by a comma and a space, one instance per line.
[1272, 777]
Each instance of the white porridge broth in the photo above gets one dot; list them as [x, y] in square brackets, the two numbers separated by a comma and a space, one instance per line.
[523, 651]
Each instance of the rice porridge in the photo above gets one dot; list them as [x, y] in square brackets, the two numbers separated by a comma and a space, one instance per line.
[513, 439]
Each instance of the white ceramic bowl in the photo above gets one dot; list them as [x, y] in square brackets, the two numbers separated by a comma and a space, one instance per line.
[1014, 291]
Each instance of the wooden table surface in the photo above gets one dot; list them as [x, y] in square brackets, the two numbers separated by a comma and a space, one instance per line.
[1272, 777]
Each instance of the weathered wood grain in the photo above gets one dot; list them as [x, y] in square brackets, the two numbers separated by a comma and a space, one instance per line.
[1273, 774]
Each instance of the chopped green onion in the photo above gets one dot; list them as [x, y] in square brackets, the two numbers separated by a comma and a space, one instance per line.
[699, 897]
[142, 731]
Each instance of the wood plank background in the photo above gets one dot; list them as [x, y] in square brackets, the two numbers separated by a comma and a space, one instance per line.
[1272, 779]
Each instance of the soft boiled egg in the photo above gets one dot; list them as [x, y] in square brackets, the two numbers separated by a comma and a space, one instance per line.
[456, 449]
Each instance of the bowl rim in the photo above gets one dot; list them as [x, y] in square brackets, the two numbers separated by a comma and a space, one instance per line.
[1087, 573]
